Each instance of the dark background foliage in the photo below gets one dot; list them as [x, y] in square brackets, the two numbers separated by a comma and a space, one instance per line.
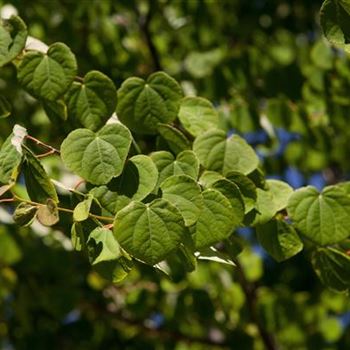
[261, 63]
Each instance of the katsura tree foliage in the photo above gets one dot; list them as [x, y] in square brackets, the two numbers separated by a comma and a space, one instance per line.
[193, 190]
[162, 185]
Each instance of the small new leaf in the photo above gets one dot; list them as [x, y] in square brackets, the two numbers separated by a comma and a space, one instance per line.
[47, 214]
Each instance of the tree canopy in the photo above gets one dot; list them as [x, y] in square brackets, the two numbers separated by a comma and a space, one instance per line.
[174, 175]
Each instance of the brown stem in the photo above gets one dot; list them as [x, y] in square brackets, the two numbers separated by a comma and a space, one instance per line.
[46, 154]
[250, 292]
[78, 184]
[42, 144]
[7, 200]
[79, 79]
[93, 216]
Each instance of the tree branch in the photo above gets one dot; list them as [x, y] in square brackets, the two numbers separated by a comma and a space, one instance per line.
[250, 292]
[144, 23]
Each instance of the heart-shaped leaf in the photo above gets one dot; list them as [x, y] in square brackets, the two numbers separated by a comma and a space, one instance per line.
[97, 157]
[322, 217]
[142, 105]
[92, 101]
[48, 75]
[149, 232]
[218, 153]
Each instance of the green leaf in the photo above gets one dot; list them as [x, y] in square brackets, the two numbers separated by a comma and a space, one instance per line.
[38, 184]
[10, 252]
[10, 160]
[24, 214]
[97, 157]
[114, 271]
[321, 217]
[48, 75]
[333, 268]
[246, 187]
[82, 210]
[231, 191]
[216, 221]
[142, 105]
[279, 239]
[197, 115]
[102, 246]
[209, 177]
[13, 36]
[265, 207]
[175, 139]
[138, 179]
[110, 200]
[5, 108]
[186, 163]
[92, 101]
[149, 232]
[212, 254]
[218, 153]
[55, 110]
[335, 22]
[47, 214]
[331, 328]
[184, 192]
[281, 193]
[202, 64]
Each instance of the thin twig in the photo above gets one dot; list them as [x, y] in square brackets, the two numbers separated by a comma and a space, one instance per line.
[46, 154]
[78, 184]
[7, 200]
[40, 143]
[67, 210]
